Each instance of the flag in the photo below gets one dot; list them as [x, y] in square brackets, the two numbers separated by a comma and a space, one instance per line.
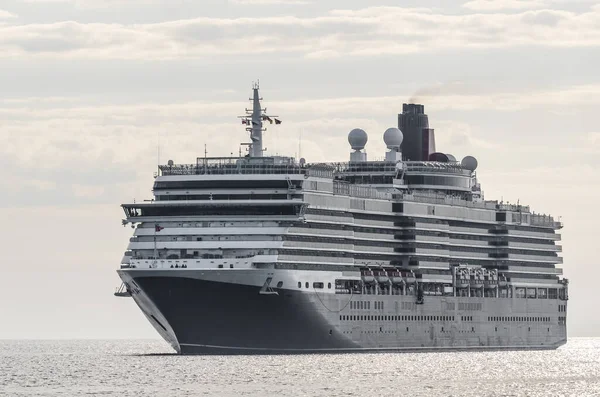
[244, 121]
[270, 119]
[158, 228]
[277, 121]
[254, 123]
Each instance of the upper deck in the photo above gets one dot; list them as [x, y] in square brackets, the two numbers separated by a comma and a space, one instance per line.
[233, 166]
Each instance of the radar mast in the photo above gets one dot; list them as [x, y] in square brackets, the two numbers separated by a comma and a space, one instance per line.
[254, 123]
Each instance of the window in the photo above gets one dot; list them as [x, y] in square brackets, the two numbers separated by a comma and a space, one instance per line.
[306, 285]
[317, 285]
[280, 284]
[329, 285]
[299, 284]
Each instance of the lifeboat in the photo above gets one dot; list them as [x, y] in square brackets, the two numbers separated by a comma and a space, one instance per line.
[477, 283]
[381, 276]
[462, 278]
[396, 277]
[463, 282]
[367, 276]
[409, 278]
[502, 282]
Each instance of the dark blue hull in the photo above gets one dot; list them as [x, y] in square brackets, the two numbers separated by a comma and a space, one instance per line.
[219, 318]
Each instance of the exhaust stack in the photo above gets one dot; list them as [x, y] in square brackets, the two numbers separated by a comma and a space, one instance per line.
[419, 139]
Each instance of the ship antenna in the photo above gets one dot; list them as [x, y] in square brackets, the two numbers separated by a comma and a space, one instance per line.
[158, 148]
[300, 145]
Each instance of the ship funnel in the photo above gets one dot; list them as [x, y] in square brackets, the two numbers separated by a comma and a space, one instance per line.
[419, 139]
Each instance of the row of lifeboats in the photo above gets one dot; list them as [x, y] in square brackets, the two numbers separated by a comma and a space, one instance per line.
[384, 276]
[479, 278]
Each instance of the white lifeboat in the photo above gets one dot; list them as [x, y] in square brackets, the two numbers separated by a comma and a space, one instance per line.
[396, 277]
[477, 282]
[367, 276]
[462, 278]
[382, 276]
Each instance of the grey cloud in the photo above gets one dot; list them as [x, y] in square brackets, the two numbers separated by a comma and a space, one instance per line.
[496, 5]
[545, 17]
[375, 30]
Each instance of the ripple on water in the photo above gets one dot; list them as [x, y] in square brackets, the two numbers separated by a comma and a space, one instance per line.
[140, 368]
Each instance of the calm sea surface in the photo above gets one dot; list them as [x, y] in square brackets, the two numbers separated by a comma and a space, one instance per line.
[147, 368]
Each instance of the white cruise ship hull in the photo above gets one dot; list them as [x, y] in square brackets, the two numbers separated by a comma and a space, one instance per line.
[224, 312]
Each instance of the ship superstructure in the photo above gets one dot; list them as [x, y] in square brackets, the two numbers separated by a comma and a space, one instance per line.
[266, 254]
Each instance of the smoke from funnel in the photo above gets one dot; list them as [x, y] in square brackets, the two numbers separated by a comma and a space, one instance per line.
[422, 94]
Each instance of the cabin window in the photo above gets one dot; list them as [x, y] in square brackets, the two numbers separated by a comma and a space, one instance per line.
[318, 285]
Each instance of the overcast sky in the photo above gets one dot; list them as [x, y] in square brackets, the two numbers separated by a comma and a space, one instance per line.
[88, 88]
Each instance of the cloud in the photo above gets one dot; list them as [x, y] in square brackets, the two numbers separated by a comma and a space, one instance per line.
[99, 4]
[271, 2]
[339, 33]
[6, 15]
[497, 5]
[505, 5]
[593, 138]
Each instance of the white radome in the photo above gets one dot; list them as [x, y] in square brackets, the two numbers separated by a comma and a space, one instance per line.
[393, 138]
[357, 139]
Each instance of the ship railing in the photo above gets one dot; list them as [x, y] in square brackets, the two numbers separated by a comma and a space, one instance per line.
[342, 188]
[359, 167]
[545, 220]
[434, 198]
[234, 165]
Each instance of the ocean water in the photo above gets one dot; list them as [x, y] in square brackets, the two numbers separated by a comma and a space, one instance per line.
[148, 368]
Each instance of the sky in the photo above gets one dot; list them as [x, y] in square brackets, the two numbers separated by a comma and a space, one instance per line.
[90, 89]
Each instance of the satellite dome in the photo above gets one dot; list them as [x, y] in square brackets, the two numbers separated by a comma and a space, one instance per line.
[469, 162]
[357, 139]
[451, 158]
[393, 137]
[170, 163]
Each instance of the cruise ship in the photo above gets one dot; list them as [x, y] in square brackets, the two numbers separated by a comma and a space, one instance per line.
[261, 254]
